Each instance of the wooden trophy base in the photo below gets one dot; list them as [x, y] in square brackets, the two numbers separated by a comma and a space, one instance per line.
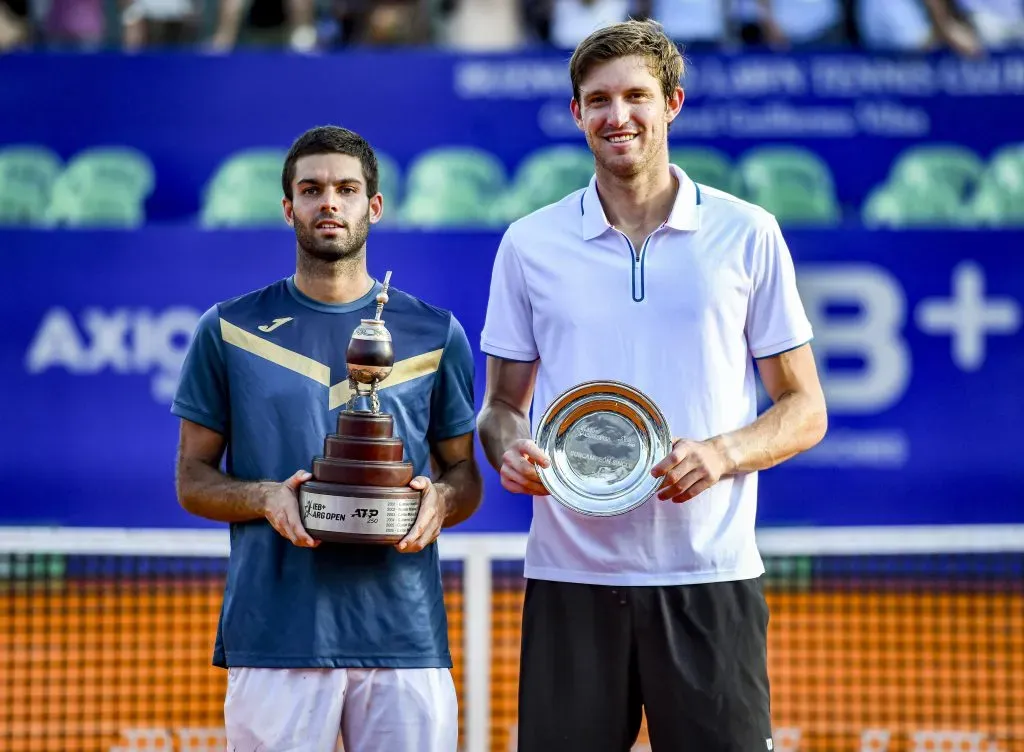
[360, 489]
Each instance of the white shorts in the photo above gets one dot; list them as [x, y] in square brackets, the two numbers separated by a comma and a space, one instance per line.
[375, 709]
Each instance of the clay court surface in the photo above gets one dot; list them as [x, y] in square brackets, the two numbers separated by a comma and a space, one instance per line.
[100, 664]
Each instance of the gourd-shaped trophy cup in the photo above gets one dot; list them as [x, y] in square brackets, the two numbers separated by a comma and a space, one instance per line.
[360, 489]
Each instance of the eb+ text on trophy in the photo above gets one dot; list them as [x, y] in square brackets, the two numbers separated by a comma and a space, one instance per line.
[360, 489]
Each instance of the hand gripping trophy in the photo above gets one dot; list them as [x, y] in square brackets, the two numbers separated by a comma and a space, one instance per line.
[360, 489]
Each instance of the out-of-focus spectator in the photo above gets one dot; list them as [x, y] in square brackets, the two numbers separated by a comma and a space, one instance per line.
[967, 27]
[396, 23]
[159, 23]
[791, 24]
[697, 24]
[915, 26]
[382, 22]
[483, 25]
[296, 24]
[70, 24]
[999, 23]
[565, 23]
[14, 24]
[266, 23]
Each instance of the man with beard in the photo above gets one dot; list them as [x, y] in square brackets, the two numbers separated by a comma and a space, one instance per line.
[677, 289]
[322, 638]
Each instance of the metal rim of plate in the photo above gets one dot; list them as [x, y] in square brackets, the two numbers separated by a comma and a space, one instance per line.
[603, 438]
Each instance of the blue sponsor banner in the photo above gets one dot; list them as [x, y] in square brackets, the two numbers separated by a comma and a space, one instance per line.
[188, 113]
[918, 335]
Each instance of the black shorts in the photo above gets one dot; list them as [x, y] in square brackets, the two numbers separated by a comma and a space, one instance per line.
[693, 657]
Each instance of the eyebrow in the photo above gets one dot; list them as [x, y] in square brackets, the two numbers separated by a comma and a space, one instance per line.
[339, 181]
[630, 90]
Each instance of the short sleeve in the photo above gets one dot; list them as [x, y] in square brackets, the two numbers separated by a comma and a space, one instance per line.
[776, 320]
[452, 408]
[202, 394]
[508, 323]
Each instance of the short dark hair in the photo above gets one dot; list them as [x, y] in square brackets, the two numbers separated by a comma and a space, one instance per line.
[631, 37]
[330, 139]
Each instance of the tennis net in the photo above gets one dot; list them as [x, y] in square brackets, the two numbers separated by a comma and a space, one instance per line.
[881, 640]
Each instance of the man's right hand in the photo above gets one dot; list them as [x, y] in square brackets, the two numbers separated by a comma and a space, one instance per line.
[519, 471]
[281, 508]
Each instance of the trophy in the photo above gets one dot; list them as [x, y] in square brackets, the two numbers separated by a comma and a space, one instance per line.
[360, 489]
[603, 438]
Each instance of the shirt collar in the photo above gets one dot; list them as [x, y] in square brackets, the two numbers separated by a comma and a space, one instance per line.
[685, 214]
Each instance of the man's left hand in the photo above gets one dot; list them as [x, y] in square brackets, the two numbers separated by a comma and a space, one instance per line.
[691, 468]
[429, 520]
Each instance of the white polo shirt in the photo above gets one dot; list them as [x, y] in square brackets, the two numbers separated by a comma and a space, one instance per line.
[678, 318]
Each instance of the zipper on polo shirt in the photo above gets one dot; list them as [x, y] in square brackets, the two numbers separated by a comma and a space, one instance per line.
[637, 260]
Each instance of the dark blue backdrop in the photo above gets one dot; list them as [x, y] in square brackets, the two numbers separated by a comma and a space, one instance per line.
[188, 112]
[925, 427]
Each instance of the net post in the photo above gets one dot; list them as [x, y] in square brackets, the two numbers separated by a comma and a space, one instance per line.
[476, 604]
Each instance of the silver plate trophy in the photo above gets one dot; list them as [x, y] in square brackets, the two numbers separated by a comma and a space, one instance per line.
[603, 438]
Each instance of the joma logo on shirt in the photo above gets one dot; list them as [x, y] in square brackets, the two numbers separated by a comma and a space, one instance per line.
[274, 324]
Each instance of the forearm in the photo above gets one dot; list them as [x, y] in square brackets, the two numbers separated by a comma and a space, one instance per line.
[461, 489]
[206, 492]
[793, 424]
[500, 425]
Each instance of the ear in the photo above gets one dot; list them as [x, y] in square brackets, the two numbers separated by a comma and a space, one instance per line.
[376, 208]
[289, 212]
[674, 104]
[577, 113]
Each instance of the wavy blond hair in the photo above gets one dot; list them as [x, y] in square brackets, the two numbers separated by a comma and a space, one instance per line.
[646, 38]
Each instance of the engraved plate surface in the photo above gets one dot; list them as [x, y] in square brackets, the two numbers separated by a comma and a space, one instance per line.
[358, 515]
[602, 447]
[603, 438]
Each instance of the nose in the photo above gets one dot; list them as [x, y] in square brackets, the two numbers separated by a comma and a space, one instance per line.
[618, 113]
[329, 201]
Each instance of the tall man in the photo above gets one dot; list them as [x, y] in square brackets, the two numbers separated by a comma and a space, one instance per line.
[677, 289]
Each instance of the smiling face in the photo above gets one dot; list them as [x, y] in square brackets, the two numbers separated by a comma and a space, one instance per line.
[624, 113]
[330, 208]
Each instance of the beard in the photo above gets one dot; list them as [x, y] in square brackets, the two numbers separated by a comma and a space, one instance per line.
[346, 244]
[621, 166]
